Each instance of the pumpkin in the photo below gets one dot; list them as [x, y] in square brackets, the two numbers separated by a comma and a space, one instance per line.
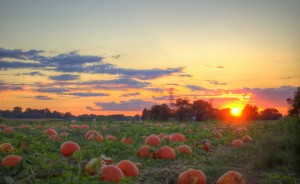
[95, 137]
[111, 138]
[64, 134]
[165, 152]
[68, 148]
[152, 140]
[84, 126]
[206, 145]
[6, 148]
[11, 160]
[128, 168]
[144, 152]
[177, 137]
[90, 132]
[218, 135]
[192, 176]
[237, 143]
[9, 130]
[111, 173]
[232, 177]
[185, 150]
[50, 131]
[127, 140]
[247, 138]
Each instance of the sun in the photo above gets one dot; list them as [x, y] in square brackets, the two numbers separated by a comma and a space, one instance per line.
[235, 111]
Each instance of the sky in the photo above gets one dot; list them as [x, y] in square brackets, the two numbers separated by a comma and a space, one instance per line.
[119, 57]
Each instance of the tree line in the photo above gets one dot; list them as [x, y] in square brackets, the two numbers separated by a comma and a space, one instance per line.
[17, 112]
[200, 110]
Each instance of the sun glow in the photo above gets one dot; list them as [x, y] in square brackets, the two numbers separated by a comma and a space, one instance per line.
[235, 111]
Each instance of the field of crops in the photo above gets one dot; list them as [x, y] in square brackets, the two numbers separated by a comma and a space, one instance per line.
[272, 156]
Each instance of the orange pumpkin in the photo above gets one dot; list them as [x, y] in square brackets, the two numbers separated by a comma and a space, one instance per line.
[247, 138]
[95, 137]
[144, 152]
[232, 177]
[128, 168]
[152, 140]
[90, 132]
[111, 173]
[192, 176]
[218, 135]
[50, 131]
[84, 126]
[111, 138]
[185, 150]
[177, 137]
[165, 152]
[11, 160]
[127, 140]
[237, 143]
[6, 148]
[9, 130]
[68, 148]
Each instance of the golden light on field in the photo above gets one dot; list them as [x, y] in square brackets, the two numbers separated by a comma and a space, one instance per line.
[236, 111]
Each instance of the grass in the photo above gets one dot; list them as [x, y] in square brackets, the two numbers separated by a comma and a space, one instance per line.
[272, 157]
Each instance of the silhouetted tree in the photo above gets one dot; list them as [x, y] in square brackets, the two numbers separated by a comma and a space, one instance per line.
[160, 112]
[183, 109]
[202, 110]
[294, 103]
[250, 112]
[270, 114]
[145, 114]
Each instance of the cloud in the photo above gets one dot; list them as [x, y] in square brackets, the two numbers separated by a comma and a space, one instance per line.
[10, 87]
[130, 94]
[52, 90]
[216, 67]
[286, 78]
[64, 77]
[74, 62]
[19, 54]
[184, 75]
[43, 98]
[30, 74]
[92, 109]
[116, 56]
[132, 105]
[4, 65]
[195, 88]
[161, 98]
[215, 82]
[88, 94]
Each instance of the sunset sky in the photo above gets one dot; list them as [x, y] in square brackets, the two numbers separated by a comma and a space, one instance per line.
[121, 56]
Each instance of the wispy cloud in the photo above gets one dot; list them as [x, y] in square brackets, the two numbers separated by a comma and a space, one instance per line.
[64, 77]
[216, 67]
[130, 94]
[74, 62]
[132, 105]
[52, 90]
[43, 98]
[31, 74]
[88, 94]
[215, 82]
[195, 88]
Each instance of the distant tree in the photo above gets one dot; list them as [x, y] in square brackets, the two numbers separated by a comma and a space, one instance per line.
[145, 114]
[294, 103]
[270, 114]
[202, 110]
[250, 112]
[183, 109]
[137, 117]
[160, 112]
[17, 112]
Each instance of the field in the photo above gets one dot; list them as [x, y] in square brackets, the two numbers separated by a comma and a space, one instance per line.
[271, 157]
